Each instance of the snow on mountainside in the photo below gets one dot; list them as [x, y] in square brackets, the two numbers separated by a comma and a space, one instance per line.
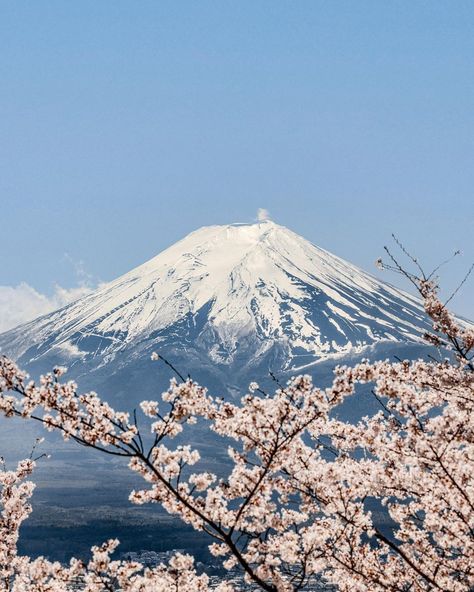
[231, 294]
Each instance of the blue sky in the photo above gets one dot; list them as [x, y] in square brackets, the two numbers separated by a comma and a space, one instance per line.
[125, 125]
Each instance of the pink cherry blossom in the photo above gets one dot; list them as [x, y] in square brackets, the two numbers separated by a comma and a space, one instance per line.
[297, 504]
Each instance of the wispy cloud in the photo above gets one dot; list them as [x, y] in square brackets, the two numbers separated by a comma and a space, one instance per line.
[263, 215]
[22, 303]
[84, 278]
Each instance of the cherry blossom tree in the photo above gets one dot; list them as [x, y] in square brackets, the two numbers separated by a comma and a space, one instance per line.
[295, 505]
[20, 574]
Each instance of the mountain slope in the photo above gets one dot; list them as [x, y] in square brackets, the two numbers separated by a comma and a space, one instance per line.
[227, 304]
[234, 296]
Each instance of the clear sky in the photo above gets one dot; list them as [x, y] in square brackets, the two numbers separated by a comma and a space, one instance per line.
[124, 125]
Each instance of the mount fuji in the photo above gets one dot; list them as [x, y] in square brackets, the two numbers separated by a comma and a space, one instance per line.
[227, 304]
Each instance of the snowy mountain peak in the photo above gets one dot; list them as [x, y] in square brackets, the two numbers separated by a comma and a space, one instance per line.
[232, 292]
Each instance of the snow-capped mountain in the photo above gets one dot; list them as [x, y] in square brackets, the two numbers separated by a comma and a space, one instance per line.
[226, 304]
[235, 297]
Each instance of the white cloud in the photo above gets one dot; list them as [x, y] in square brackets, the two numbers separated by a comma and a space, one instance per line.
[22, 303]
[263, 215]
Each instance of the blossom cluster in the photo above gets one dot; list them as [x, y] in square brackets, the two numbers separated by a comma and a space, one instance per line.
[101, 573]
[297, 503]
